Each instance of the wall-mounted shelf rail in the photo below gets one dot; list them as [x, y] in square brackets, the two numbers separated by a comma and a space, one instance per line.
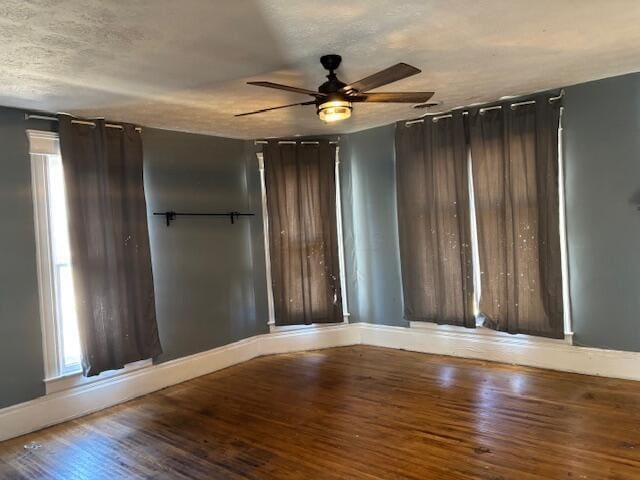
[171, 215]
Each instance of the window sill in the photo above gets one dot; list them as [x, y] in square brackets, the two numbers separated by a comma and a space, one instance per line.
[71, 380]
[289, 328]
[487, 333]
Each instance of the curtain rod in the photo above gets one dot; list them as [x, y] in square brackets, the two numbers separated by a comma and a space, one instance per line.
[435, 117]
[293, 142]
[31, 116]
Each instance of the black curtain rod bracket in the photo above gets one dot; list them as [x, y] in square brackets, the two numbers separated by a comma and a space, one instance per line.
[171, 215]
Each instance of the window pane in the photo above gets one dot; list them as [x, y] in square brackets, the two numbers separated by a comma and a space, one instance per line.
[58, 211]
[66, 320]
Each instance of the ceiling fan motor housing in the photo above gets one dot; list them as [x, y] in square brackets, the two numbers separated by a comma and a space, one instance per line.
[332, 87]
[331, 62]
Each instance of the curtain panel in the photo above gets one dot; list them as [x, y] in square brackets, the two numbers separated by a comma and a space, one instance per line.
[433, 221]
[303, 240]
[515, 173]
[109, 239]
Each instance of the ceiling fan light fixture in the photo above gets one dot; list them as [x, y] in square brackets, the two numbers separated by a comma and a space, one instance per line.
[334, 110]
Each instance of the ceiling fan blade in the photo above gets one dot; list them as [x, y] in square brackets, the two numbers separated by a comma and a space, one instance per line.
[383, 77]
[397, 97]
[275, 108]
[288, 88]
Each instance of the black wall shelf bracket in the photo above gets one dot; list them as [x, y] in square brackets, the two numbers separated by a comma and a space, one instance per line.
[232, 216]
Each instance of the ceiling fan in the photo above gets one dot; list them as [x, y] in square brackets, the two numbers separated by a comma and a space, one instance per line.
[334, 98]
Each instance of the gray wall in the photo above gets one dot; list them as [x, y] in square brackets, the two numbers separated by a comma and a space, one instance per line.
[602, 158]
[21, 365]
[370, 226]
[203, 268]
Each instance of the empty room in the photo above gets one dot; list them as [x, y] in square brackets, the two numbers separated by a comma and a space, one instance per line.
[294, 239]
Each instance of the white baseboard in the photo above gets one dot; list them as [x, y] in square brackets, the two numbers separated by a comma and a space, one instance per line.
[501, 347]
[78, 401]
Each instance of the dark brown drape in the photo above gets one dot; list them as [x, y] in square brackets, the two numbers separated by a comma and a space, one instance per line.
[109, 239]
[433, 221]
[303, 241]
[515, 170]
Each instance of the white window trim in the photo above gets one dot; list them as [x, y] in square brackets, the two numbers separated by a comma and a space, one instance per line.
[41, 145]
[71, 380]
[341, 264]
[267, 256]
[564, 259]
[265, 229]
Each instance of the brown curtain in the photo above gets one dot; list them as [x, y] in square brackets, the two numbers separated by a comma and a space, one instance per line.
[109, 244]
[303, 241]
[433, 221]
[515, 171]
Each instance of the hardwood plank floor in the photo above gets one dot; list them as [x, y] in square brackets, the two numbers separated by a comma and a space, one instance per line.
[352, 413]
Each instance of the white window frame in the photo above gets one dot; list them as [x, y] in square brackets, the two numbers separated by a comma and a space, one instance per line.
[267, 255]
[43, 144]
[564, 256]
[566, 298]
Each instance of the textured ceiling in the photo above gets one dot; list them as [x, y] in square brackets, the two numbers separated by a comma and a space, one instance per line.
[183, 65]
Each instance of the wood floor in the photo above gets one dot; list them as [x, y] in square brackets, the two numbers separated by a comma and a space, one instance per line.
[352, 413]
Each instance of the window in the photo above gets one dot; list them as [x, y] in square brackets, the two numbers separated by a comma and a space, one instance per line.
[517, 204]
[341, 261]
[57, 299]
[513, 209]
[60, 339]
[64, 298]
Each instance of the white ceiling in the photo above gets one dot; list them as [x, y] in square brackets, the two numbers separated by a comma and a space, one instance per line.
[183, 65]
